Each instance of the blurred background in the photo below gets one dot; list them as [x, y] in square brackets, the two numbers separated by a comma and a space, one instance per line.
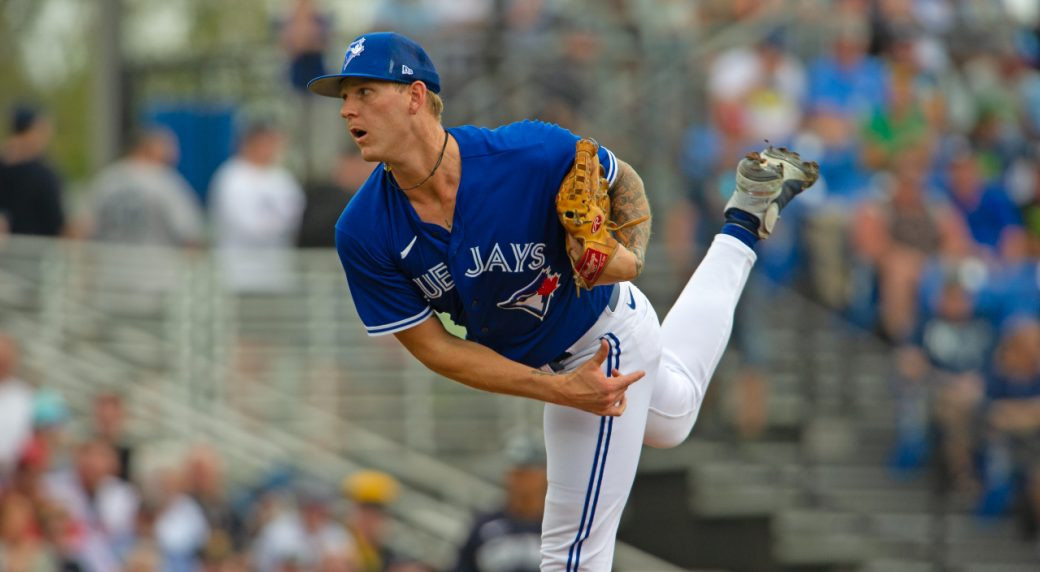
[184, 384]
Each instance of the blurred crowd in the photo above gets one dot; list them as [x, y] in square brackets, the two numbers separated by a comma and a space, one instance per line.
[86, 494]
[255, 204]
[924, 228]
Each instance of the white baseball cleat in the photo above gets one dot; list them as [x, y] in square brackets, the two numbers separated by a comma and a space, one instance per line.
[794, 168]
[766, 182]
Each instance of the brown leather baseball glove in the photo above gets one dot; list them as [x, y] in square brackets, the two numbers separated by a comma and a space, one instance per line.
[583, 206]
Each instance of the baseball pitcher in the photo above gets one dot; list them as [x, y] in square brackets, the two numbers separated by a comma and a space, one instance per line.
[529, 236]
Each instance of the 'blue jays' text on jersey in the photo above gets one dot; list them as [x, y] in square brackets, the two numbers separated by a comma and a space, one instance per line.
[502, 271]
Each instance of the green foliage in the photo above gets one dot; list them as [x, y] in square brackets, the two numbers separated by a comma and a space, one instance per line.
[13, 17]
[67, 98]
[218, 27]
[227, 24]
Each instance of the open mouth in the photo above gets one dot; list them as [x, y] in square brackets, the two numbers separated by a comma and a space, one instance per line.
[358, 134]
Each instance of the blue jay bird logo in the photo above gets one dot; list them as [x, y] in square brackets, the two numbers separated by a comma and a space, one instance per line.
[353, 51]
[535, 297]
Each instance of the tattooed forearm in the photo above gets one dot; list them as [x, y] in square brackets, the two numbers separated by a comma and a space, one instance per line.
[628, 203]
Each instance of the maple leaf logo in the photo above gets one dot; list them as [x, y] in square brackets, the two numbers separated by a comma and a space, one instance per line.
[534, 298]
[549, 285]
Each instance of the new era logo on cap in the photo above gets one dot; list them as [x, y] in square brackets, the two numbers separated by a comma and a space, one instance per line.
[382, 53]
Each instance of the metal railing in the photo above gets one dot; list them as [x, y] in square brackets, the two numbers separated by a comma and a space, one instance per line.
[287, 378]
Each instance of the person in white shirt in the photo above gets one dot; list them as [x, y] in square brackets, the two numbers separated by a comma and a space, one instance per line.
[257, 205]
[180, 527]
[101, 507]
[307, 536]
[16, 408]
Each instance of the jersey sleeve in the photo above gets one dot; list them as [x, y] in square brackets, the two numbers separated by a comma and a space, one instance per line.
[385, 300]
[559, 144]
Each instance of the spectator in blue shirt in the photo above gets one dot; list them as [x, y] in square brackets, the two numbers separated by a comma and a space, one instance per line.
[847, 79]
[988, 210]
[1012, 415]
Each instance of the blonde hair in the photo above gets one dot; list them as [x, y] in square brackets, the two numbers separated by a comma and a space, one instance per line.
[433, 101]
[436, 104]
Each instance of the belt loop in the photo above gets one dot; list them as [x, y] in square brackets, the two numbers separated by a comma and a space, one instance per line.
[615, 295]
[556, 365]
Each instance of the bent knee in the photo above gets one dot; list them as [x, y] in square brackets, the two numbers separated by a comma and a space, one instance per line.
[665, 443]
[671, 435]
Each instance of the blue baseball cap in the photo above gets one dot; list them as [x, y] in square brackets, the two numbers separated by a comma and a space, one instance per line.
[386, 56]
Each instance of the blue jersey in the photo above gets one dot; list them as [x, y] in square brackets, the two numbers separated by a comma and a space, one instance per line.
[502, 271]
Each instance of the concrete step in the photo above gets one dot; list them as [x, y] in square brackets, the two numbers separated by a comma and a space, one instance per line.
[833, 549]
[954, 527]
[735, 473]
[811, 522]
[867, 501]
[997, 567]
[980, 552]
[896, 565]
[845, 477]
[689, 454]
[720, 501]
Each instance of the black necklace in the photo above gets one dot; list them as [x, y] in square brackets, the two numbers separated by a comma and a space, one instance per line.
[444, 146]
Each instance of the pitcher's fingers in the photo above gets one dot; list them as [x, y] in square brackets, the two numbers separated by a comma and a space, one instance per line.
[620, 406]
[622, 381]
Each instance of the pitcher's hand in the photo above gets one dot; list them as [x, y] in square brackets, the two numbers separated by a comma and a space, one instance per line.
[588, 388]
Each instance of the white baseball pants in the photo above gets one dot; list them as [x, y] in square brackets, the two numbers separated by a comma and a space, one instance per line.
[592, 460]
